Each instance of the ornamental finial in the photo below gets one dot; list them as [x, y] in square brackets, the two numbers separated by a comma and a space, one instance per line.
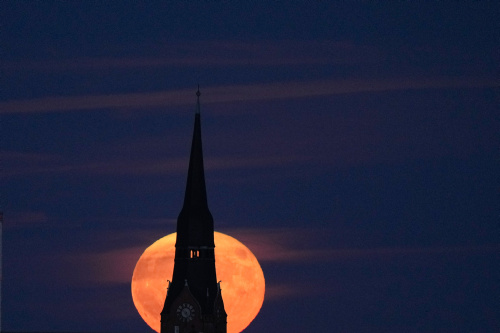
[198, 93]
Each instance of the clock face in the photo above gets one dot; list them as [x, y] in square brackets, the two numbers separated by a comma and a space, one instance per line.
[185, 312]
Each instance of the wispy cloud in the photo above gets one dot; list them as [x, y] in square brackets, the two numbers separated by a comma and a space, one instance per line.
[24, 219]
[160, 166]
[114, 266]
[276, 246]
[211, 54]
[238, 93]
[214, 54]
[285, 245]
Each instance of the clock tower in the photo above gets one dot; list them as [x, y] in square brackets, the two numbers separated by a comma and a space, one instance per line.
[194, 301]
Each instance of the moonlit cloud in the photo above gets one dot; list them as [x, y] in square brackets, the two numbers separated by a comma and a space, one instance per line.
[280, 291]
[114, 266]
[24, 219]
[237, 93]
[161, 166]
[280, 246]
[276, 247]
[215, 54]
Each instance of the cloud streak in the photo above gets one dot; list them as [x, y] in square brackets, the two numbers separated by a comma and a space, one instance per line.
[214, 54]
[276, 246]
[162, 166]
[25, 219]
[283, 246]
[236, 93]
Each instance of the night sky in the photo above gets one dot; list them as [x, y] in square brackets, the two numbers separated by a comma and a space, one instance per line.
[353, 147]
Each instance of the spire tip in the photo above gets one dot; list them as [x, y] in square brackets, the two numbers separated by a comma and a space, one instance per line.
[198, 93]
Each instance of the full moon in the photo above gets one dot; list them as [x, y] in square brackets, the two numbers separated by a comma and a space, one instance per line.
[242, 280]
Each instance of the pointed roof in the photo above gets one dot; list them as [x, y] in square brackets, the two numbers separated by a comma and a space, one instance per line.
[196, 193]
[194, 253]
[195, 222]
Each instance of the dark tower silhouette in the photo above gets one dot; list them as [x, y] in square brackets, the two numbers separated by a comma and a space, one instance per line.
[194, 301]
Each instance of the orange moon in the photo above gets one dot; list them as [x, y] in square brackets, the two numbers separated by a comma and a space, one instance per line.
[242, 280]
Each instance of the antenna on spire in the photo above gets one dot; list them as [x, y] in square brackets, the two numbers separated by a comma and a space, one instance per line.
[198, 93]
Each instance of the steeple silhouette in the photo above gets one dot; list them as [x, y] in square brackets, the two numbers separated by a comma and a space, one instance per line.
[195, 226]
[194, 296]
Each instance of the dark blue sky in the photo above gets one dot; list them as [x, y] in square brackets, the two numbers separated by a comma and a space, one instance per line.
[352, 147]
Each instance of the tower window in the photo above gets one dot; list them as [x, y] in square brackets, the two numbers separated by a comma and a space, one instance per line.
[194, 253]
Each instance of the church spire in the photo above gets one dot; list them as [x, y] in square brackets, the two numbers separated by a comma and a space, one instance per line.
[195, 223]
[194, 302]
[198, 93]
